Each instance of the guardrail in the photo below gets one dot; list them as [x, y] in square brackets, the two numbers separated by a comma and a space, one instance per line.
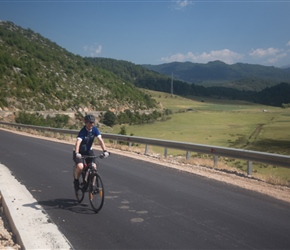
[215, 151]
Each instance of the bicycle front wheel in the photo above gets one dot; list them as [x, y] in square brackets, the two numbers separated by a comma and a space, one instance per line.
[96, 192]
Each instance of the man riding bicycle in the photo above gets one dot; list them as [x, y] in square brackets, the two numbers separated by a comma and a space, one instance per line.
[84, 144]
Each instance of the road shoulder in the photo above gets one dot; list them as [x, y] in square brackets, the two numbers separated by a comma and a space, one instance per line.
[30, 224]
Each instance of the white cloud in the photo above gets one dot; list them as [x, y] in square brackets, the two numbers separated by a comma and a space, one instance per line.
[270, 55]
[276, 58]
[182, 4]
[264, 52]
[224, 55]
[93, 50]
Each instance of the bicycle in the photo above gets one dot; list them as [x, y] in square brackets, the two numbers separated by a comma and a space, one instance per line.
[91, 182]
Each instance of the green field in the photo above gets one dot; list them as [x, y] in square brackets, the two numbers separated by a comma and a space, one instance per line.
[235, 124]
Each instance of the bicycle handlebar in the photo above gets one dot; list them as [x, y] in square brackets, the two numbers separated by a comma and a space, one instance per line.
[93, 156]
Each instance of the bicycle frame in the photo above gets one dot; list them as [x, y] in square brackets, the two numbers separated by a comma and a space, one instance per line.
[92, 183]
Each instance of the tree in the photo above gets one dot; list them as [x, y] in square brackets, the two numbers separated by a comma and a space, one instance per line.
[123, 131]
[109, 118]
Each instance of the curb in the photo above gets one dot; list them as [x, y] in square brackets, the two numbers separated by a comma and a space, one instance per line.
[29, 223]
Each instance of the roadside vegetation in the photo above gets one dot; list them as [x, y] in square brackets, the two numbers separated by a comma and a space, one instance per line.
[59, 121]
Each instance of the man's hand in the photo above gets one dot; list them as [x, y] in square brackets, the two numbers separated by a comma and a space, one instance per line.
[78, 155]
[105, 154]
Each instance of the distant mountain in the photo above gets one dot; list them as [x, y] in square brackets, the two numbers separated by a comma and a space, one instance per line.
[37, 74]
[144, 78]
[240, 76]
[286, 67]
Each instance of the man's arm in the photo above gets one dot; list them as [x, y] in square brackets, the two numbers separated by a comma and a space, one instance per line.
[102, 143]
[77, 145]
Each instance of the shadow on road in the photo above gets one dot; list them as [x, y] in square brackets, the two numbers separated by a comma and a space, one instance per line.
[64, 204]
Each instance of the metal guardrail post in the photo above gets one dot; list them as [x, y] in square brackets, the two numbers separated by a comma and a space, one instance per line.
[215, 160]
[146, 149]
[187, 155]
[165, 152]
[250, 168]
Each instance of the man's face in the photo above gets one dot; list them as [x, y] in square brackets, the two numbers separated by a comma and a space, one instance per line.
[89, 125]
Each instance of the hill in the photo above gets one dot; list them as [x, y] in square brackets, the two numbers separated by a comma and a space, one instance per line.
[37, 74]
[240, 75]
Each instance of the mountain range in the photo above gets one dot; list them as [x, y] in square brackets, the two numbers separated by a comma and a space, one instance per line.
[269, 92]
[37, 74]
[240, 75]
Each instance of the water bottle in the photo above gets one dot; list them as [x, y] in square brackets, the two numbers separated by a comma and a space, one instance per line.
[94, 166]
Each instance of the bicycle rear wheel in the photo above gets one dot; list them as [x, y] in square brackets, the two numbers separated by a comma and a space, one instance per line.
[80, 193]
[96, 192]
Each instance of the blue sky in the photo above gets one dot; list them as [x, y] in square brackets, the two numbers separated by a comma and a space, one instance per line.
[156, 32]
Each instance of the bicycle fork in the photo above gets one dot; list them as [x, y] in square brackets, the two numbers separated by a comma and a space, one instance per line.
[95, 187]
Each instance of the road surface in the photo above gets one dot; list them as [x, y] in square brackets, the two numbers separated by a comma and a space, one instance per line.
[147, 206]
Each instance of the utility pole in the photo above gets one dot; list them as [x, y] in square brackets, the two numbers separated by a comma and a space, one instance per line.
[172, 83]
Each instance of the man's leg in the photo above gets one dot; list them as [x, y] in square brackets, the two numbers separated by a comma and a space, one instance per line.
[78, 170]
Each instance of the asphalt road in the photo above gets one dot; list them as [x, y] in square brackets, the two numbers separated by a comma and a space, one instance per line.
[147, 206]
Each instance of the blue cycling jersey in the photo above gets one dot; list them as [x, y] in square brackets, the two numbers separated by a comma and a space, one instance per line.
[87, 138]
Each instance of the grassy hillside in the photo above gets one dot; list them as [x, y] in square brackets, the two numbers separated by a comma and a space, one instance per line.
[37, 74]
[221, 123]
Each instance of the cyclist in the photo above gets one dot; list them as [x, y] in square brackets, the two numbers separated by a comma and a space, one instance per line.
[84, 144]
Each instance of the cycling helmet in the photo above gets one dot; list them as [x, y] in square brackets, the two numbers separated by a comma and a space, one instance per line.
[89, 118]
